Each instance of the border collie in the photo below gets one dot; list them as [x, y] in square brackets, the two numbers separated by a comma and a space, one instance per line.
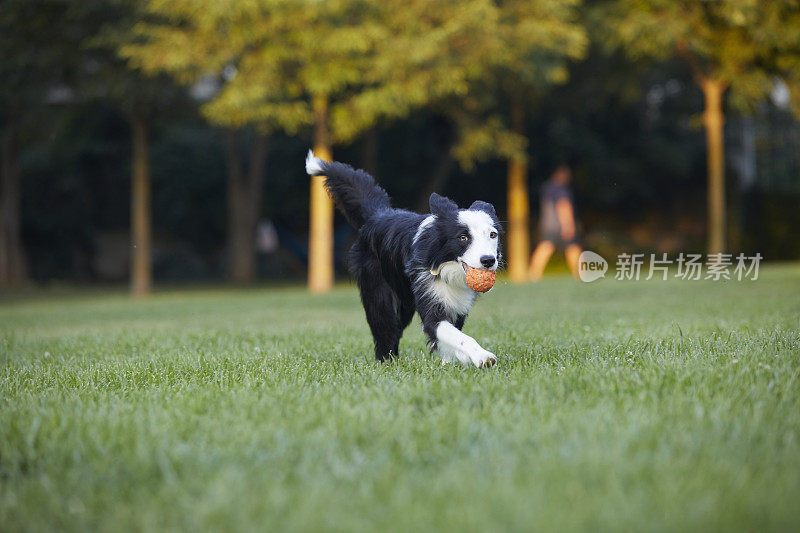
[405, 262]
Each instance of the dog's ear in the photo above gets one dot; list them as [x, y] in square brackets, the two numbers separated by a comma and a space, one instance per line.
[442, 206]
[485, 207]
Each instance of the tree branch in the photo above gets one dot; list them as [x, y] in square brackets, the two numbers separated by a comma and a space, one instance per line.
[697, 71]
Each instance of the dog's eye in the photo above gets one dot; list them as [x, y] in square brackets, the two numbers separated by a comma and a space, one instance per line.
[493, 235]
[464, 237]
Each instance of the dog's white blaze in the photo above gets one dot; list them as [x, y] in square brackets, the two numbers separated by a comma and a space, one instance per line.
[313, 164]
[480, 226]
[450, 289]
[453, 344]
[422, 225]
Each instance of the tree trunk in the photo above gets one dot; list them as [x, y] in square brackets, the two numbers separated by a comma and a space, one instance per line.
[320, 239]
[244, 203]
[141, 212]
[12, 264]
[369, 154]
[438, 179]
[518, 241]
[713, 121]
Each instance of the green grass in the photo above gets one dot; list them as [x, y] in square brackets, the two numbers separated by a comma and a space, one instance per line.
[614, 406]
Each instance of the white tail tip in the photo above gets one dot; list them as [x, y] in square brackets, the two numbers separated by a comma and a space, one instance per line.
[313, 164]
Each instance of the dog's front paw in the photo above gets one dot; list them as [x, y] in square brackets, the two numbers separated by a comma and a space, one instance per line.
[483, 359]
[489, 362]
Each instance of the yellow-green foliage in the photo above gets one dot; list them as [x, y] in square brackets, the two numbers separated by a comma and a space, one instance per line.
[372, 59]
[744, 43]
[532, 43]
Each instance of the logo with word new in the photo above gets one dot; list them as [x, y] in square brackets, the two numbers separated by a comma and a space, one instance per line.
[591, 266]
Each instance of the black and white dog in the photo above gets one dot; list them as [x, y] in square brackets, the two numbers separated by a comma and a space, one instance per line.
[405, 261]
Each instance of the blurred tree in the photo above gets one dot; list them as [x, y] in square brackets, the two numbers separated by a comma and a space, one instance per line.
[535, 40]
[337, 66]
[141, 98]
[245, 188]
[743, 45]
[37, 51]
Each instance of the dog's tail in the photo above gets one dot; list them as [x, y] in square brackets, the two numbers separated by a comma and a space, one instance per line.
[354, 191]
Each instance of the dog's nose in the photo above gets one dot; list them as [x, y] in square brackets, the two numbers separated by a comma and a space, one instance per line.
[487, 261]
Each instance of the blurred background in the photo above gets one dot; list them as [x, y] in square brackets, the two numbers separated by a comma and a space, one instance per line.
[163, 141]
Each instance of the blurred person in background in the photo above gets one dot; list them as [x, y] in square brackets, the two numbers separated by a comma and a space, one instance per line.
[556, 224]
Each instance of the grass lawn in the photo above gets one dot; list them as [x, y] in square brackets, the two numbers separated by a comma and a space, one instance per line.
[615, 406]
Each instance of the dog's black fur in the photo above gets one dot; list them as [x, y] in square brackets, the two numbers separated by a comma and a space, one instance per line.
[390, 267]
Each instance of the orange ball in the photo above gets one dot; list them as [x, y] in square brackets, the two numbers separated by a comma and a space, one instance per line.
[480, 280]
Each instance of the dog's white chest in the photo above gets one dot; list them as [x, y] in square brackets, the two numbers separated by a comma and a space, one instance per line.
[456, 301]
[451, 290]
